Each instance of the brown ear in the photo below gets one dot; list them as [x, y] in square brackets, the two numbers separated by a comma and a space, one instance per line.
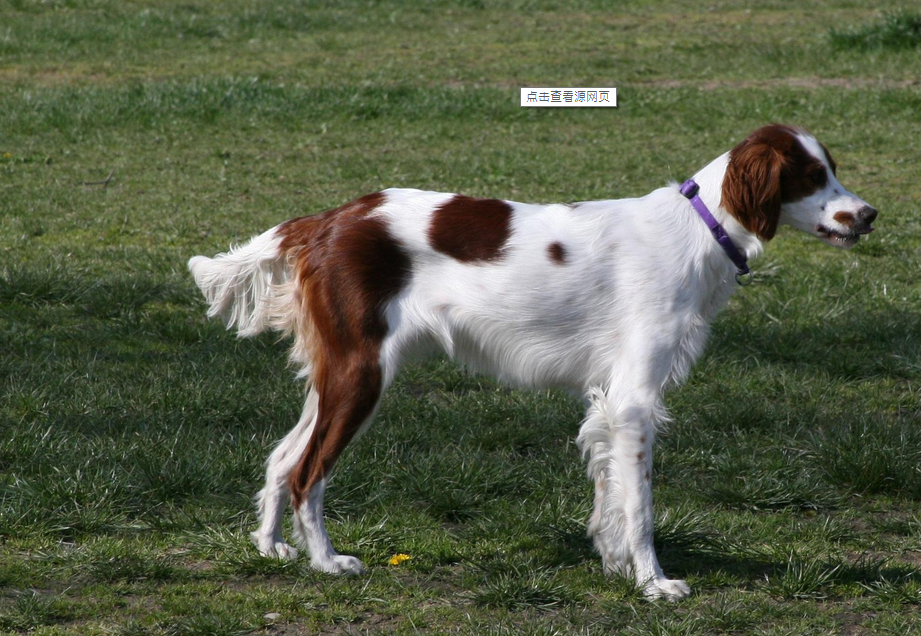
[751, 187]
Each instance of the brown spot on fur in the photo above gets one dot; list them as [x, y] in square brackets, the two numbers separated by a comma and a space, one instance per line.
[640, 457]
[347, 267]
[845, 218]
[769, 168]
[470, 229]
[642, 439]
[646, 476]
[557, 253]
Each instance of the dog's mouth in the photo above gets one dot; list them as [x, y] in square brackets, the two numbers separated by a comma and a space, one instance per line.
[842, 239]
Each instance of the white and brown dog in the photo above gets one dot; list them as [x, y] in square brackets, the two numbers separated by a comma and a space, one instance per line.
[609, 299]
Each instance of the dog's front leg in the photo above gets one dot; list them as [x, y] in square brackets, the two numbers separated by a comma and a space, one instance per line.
[632, 451]
[617, 439]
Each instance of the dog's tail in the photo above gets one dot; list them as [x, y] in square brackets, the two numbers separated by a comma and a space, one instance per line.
[247, 286]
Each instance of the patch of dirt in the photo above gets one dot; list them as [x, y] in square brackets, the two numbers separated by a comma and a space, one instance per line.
[850, 83]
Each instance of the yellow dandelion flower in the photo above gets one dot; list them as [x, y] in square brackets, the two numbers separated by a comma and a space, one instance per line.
[397, 559]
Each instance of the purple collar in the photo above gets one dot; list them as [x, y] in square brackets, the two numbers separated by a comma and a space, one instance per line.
[743, 275]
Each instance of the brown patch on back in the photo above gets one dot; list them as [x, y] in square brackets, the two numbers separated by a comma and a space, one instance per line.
[347, 267]
[299, 233]
[470, 229]
[557, 253]
[769, 168]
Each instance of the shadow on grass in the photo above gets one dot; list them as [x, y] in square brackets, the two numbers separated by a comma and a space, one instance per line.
[859, 345]
[684, 542]
[790, 575]
[899, 30]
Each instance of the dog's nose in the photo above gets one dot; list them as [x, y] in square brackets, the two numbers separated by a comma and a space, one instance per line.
[866, 214]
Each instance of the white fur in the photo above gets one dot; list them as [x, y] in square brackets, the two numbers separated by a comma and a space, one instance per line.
[620, 321]
[273, 498]
[240, 284]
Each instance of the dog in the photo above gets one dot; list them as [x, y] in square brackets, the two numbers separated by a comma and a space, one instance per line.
[610, 299]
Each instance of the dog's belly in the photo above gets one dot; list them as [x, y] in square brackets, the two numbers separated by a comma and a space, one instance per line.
[526, 334]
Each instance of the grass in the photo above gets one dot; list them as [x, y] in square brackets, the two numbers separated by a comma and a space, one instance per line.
[896, 30]
[133, 431]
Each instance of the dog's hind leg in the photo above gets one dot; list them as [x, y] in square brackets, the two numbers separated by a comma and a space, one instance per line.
[347, 401]
[273, 498]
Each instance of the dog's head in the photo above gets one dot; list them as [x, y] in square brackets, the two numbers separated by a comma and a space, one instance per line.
[781, 174]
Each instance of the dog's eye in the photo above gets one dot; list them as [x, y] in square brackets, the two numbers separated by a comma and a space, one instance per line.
[818, 177]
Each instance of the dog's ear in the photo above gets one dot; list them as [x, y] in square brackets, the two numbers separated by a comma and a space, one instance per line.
[751, 187]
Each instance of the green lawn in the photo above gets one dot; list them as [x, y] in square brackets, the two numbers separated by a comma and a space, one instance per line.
[134, 135]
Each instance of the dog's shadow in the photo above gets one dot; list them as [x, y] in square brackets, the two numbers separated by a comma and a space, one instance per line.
[852, 346]
[714, 562]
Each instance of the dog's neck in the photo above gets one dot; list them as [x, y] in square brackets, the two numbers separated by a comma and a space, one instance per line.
[710, 179]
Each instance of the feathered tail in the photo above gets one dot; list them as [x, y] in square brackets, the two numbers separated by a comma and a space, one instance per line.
[245, 285]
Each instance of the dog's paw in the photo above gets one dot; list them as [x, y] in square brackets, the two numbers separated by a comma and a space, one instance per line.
[273, 548]
[338, 564]
[668, 589]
